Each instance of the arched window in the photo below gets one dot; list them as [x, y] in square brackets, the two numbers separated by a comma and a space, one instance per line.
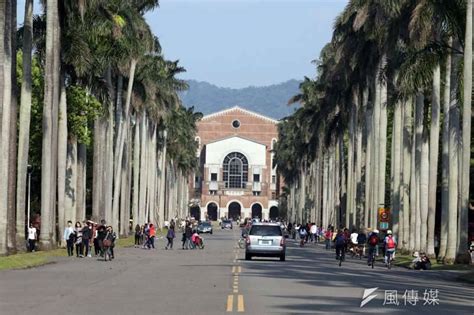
[236, 170]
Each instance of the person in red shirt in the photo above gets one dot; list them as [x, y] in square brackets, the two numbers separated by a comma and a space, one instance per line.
[151, 242]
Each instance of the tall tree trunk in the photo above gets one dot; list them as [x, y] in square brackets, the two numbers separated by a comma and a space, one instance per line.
[375, 153]
[407, 200]
[382, 160]
[97, 210]
[418, 160]
[81, 182]
[24, 126]
[71, 180]
[112, 181]
[433, 159]
[466, 134]
[47, 188]
[143, 170]
[443, 239]
[13, 140]
[136, 173]
[122, 136]
[161, 206]
[424, 182]
[368, 168]
[454, 142]
[396, 171]
[62, 157]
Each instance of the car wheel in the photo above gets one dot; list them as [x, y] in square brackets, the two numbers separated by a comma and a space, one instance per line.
[211, 232]
[282, 257]
[248, 256]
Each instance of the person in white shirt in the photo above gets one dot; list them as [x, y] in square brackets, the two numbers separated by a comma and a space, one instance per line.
[313, 231]
[32, 236]
[354, 236]
[68, 236]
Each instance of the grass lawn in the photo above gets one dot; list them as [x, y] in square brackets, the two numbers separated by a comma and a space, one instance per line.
[39, 258]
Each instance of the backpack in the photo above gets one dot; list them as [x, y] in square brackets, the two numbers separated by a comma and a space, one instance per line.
[373, 240]
[340, 240]
[390, 242]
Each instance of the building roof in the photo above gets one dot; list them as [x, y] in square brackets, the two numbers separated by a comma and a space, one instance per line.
[235, 136]
[239, 109]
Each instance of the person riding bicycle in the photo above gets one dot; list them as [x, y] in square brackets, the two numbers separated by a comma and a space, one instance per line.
[390, 244]
[340, 242]
[303, 234]
[354, 241]
[373, 241]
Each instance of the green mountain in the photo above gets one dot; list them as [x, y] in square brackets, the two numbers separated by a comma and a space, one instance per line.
[267, 100]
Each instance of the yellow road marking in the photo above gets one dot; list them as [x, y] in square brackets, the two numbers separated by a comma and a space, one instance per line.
[233, 269]
[236, 291]
[230, 303]
[240, 304]
[239, 270]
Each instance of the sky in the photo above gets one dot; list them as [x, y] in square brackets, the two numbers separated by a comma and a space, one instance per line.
[240, 43]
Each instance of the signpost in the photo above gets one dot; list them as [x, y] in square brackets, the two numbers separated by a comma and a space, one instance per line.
[384, 218]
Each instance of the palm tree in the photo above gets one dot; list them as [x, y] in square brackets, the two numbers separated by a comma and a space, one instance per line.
[24, 124]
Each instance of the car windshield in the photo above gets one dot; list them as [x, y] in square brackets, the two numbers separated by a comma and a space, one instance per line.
[265, 230]
[205, 225]
[226, 221]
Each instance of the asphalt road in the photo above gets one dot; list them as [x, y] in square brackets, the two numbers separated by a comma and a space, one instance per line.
[217, 280]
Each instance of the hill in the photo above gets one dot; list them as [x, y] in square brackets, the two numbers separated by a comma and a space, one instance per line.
[268, 100]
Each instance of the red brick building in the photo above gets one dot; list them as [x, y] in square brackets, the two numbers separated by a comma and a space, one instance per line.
[237, 176]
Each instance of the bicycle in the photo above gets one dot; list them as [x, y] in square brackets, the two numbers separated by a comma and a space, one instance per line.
[389, 255]
[340, 255]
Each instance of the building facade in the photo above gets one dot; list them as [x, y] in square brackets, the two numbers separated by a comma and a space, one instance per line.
[237, 177]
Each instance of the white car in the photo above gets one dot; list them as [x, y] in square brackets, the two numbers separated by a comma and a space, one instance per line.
[265, 239]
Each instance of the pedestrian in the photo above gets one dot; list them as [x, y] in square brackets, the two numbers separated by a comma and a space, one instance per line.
[188, 234]
[86, 239]
[151, 241]
[111, 236]
[146, 232]
[96, 240]
[328, 237]
[68, 236]
[32, 236]
[78, 238]
[170, 236]
[314, 232]
[137, 235]
[101, 233]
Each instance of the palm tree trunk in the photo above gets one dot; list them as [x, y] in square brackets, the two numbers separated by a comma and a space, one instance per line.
[47, 189]
[122, 135]
[81, 182]
[123, 194]
[382, 160]
[368, 167]
[136, 173]
[375, 154]
[418, 160]
[161, 206]
[407, 200]
[143, 170]
[71, 180]
[396, 171]
[433, 159]
[454, 142]
[443, 238]
[424, 182]
[24, 126]
[98, 171]
[414, 208]
[13, 134]
[466, 133]
[62, 157]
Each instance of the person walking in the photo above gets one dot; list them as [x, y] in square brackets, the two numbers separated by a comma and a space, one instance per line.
[151, 242]
[86, 239]
[138, 230]
[170, 236]
[32, 236]
[188, 234]
[78, 238]
[68, 236]
[328, 237]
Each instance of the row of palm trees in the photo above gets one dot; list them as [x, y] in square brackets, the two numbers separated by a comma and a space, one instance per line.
[394, 81]
[106, 87]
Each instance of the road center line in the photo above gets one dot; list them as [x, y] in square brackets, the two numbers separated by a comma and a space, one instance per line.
[230, 303]
[240, 303]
